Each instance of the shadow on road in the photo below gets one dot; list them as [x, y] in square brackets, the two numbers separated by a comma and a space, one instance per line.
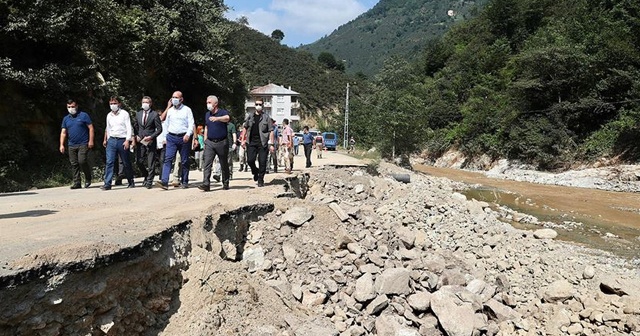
[18, 194]
[30, 213]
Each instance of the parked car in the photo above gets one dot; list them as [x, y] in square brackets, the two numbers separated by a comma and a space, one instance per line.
[330, 140]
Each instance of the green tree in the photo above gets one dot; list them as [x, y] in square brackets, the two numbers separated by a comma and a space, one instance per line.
[277, 35]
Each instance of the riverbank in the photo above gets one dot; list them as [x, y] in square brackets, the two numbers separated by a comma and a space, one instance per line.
[623, 178]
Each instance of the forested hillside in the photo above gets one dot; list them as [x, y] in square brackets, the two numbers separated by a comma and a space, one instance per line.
[392, 28]
[91, 50]
[549, 82]
[264, 60]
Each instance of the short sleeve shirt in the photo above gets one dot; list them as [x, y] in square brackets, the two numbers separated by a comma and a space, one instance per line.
[231, 130]
[77, 127]
[216, 129]
[286, 132]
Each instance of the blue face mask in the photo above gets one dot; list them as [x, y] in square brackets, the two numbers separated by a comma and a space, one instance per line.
[175, 101]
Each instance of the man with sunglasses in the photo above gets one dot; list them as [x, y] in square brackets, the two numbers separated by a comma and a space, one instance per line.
[260, 141]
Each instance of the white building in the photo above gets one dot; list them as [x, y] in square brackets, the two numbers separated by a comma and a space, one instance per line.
[279, 101]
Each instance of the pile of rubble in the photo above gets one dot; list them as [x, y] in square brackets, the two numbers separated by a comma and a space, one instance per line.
[367, 255]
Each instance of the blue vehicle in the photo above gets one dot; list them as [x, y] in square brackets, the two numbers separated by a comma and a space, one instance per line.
[330, 140]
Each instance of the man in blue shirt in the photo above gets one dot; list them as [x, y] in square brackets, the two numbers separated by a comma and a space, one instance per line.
[78, 128]
[308, 141]
[215, 143]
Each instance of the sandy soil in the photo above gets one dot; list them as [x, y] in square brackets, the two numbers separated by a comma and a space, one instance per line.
[62, 225]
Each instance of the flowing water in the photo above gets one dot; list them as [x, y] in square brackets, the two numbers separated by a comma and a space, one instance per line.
[605, 220]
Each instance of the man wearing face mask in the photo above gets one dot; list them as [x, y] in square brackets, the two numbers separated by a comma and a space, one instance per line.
[118, 136]
[215, 143]
[180, 127]
[260, 138]
[147, 127]
[78, 127]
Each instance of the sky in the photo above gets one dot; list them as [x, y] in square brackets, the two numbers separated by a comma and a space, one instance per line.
[301, 21]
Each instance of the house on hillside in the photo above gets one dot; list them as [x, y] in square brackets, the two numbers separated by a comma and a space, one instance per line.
[279, 101]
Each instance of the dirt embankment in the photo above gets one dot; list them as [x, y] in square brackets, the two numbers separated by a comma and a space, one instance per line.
[602, 175]
[359, 255]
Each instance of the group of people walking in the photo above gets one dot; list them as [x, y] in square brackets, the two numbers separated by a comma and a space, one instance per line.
[159, 138]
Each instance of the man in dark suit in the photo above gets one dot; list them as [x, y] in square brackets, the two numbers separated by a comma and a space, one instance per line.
[147, 127]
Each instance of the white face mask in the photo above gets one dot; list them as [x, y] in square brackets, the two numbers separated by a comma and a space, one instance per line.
[175, 101]
[210, 107]
[145, 106]
[72, 110]
[114, 107]
[259, 108]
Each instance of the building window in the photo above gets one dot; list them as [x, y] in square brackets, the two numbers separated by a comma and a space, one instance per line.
[280, 99]
[280, 111]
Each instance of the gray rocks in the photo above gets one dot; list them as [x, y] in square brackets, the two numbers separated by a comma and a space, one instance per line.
[500, 312]
[254, 258]
[589, 272]
[455, 316]
[545, 234]
[420, 301]
[393, 281]
[342, 215]
[296, 216]
[377, 305]
[364, 288]
[559, 290]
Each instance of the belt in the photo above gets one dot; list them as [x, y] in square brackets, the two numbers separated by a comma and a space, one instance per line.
[216, 140]
[117, 138]
[178, 134]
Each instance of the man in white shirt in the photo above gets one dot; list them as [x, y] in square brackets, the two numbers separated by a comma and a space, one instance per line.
[117, 139]
[180, 127]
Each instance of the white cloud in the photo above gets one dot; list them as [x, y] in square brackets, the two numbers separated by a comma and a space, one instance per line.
[308, 19]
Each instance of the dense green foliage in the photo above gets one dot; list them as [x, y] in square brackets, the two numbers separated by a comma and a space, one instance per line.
[391, 28]
[542, 81]
[264, 61]
[92, 49]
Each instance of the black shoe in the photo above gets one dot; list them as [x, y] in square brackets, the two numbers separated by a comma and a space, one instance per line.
[75, 186]
[148, 186]
[216, 177]
[204, 187]
[241, 167]
[87, 184]
[105, 188]
[246, 169]
[162, 185]
[131, 185]
[225, 186]
[184, 186]
[118, 181]
[260, 183]
[255, 178]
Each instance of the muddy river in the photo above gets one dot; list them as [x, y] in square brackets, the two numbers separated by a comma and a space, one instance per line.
[605, 220]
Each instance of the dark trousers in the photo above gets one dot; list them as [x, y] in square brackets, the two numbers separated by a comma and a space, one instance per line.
[146, 158]
[175, 144]
[78, 156]
[259, 151]
[160, 162]
[115, 147]
[211, 149]
[307, 153]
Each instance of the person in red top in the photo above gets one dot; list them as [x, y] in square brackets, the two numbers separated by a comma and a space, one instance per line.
[242, 151]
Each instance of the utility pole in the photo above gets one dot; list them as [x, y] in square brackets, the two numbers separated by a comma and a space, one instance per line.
[346, 120]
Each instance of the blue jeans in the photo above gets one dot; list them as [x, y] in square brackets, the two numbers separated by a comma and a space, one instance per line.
[115, 147]
[175, 144]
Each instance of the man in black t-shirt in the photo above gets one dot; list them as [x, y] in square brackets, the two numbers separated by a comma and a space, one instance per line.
[260, 141]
